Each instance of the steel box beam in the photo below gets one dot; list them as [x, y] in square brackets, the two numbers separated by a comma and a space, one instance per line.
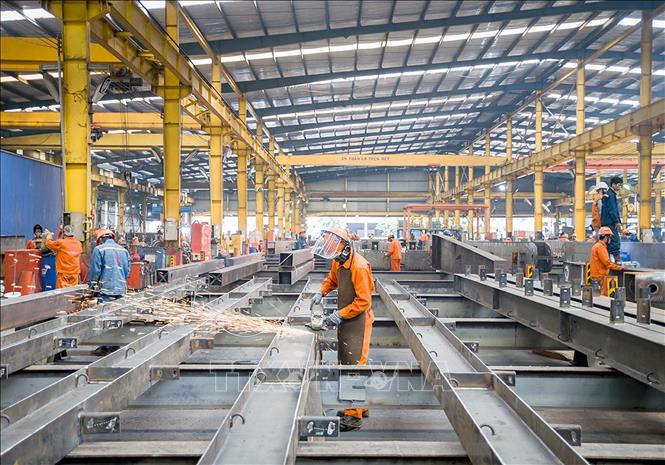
[274, 395]
[494, 425]
[32, 308]
[452, 256]
[174, 273]
[633, 349]
[387, 159]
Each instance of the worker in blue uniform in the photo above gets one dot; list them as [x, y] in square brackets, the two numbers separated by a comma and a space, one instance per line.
[610, 216]
[109, 267]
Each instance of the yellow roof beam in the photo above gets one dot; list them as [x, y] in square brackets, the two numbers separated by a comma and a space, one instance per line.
[592, 141]
[104, 121]
[29, 53]
[119, 141]
[356, 159]
[161, 49]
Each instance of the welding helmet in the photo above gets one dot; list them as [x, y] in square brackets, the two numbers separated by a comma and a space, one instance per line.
[333, 244]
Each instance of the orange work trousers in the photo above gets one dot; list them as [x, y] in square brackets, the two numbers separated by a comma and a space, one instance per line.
[66, 280]
[395, 264]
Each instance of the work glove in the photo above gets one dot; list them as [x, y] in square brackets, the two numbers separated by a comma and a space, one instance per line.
[334, 319]
[318, 297]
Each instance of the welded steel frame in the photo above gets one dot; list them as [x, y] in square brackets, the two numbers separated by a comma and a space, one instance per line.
[451, 256]
[173, 273]
[47, 425]
[245, 267]
[471, 395]
[636, 350]
[274, 395]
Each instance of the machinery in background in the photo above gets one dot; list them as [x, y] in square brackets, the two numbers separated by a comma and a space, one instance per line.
[201, 241]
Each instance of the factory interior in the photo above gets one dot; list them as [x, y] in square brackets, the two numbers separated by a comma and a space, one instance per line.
[332, 231]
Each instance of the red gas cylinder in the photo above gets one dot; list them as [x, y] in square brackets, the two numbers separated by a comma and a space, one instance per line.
[23, 271]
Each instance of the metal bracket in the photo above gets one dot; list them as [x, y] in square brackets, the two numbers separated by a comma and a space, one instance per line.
[572, 434]
[322, 427]
[158, 373]
[507, 377]
[434, 311]
[472, 345]
[564, 297]
[352, 387]
[96, 423]
[528, 287]
[451, 325]
[202, 343]
[65, 343]
[4, 372]
[109, 323]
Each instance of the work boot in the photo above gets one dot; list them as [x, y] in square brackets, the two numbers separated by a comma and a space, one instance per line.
[349, 422]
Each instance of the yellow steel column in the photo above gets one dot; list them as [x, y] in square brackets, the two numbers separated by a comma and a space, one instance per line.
[280, 207]
[242, 171]
[624, 202]
[76, 122]
[658, 209]
[287, 211]
[121, 212]
[446, 187]
[258, 183]
[580, 159]
[538, 174]
[458, 199]
[471, 215]
[172, 120]
[488, 190]
[93, 205]
[645, 147]
[271, 189]
[437, 193]
[509, 181]
[216, 168]
[295, 223]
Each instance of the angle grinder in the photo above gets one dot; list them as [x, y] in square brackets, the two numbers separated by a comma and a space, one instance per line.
[316, 318]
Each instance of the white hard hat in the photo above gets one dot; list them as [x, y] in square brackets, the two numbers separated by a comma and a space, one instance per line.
[602, 185]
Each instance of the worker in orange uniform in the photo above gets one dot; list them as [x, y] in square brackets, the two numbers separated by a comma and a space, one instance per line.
[37, 239]
[351, 275]
[422, 240]
[600, 259]
[394, 252]
[67, 257]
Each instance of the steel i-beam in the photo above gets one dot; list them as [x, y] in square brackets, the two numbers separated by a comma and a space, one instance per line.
[494, 425]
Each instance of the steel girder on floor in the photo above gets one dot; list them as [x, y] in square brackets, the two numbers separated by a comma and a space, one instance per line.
[45, 426]
[494, 425]
[262, 424]
[634, 349]
[29, 309]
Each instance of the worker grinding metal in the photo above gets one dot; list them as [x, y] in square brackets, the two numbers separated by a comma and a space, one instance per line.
[67, 257]
[351, 275]
[394, 253]
[600, 259]
[109, 267]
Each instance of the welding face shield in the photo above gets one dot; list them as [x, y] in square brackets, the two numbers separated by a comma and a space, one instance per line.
[333, 244]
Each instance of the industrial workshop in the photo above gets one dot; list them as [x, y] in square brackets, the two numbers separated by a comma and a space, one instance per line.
[351, 232]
